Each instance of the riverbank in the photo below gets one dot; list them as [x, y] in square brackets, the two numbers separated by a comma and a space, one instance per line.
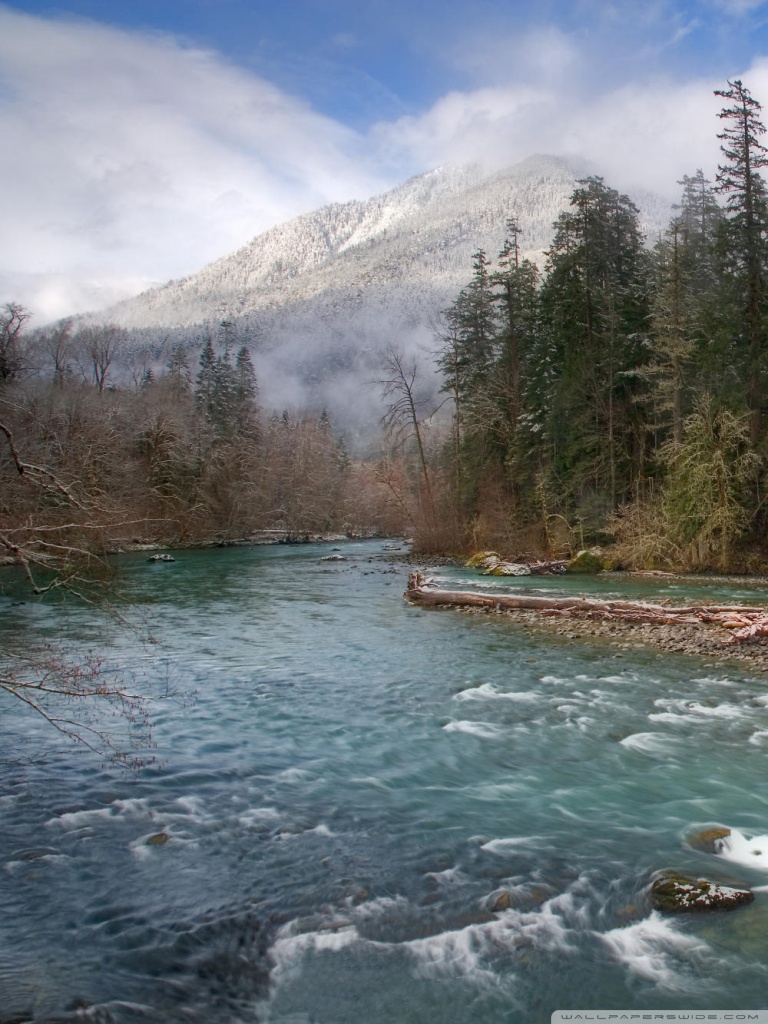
[701, 640]
[698, 639]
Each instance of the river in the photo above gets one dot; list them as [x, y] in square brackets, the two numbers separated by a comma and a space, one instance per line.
[348, 784]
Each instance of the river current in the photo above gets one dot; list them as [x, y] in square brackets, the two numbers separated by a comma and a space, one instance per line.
[348, 785]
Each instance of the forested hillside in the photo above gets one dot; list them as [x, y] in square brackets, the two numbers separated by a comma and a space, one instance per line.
[319, 299]
[620, 395]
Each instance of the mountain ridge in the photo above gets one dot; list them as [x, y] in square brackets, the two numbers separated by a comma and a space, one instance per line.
[320, 297]
[448, 212]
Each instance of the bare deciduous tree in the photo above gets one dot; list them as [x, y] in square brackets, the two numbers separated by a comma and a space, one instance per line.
[402, 420]
[12, 318]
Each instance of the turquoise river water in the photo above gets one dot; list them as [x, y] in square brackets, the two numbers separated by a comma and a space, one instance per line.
[348, 784]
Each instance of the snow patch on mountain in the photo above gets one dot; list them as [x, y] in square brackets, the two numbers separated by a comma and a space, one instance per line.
[320, 297]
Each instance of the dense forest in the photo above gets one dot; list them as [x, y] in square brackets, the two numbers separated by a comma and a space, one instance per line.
[616, 397]
[620, 397]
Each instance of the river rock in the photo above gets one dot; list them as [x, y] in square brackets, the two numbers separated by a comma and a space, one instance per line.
[587, 561]
[500, 901]
[482, 560]
[158, 839]
[507, 569]
[707, 840]
[676, 894]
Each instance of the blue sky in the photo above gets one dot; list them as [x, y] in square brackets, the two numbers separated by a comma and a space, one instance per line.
[148, 138]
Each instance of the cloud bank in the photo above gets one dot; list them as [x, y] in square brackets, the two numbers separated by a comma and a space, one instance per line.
[130, 158]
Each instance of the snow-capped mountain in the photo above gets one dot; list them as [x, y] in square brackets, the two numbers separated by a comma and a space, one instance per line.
[320, 297]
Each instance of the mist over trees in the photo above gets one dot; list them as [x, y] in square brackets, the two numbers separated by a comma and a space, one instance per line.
[180, 453]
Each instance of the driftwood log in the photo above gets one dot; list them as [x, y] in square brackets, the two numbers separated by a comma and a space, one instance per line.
[742, 621]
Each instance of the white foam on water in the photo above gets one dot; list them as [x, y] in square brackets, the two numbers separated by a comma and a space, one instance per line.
[657, 951]
[483, 730]
[493, 791]
[142, 848]
[486, 691]
[738, 849]
[75, 820]
[381, 906]
[194, 808]
[371, 780]
[318, 830]
[289, 949]
[692, 711]
[655, 744]
[25, 863]
[714, 681]
[502, 846]
[471, 952]
[294, 775]
[256, 816]
[321, 830]
[451, 876]
[455, 954]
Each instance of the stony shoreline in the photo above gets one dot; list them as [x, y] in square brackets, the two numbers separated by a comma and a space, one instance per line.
[701, 640]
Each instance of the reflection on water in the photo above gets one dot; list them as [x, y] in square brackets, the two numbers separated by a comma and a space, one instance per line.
[370, 812]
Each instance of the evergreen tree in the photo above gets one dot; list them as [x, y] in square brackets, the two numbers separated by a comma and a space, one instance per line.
[516, 284]
[473, 320]
[205, 383]
[747, 205]
[686, 346]
[595, 304]
[246, 391]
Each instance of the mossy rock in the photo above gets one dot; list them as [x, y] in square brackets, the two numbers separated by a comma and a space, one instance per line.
[679, 894]
[707, 840]
[482, 560]
[159, 839]
[586, 561]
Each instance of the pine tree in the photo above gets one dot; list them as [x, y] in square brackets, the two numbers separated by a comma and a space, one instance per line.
[685, 346]
[747, 205]
[595, 304]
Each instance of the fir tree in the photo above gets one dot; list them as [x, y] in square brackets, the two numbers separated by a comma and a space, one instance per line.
[747, 205]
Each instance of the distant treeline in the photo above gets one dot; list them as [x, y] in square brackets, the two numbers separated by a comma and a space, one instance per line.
[181, 454]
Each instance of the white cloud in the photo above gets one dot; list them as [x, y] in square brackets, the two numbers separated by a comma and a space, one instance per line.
[645, 135]
[130, 158]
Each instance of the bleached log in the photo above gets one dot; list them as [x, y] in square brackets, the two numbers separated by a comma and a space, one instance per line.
[745, 621]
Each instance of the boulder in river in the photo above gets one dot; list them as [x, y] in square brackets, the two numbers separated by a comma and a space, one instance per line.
[679, 894]
[707, 840]
[482, 560]
[158, 839]
[587, 561]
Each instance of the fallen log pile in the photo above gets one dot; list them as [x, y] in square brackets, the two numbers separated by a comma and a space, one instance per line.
[744, 622]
